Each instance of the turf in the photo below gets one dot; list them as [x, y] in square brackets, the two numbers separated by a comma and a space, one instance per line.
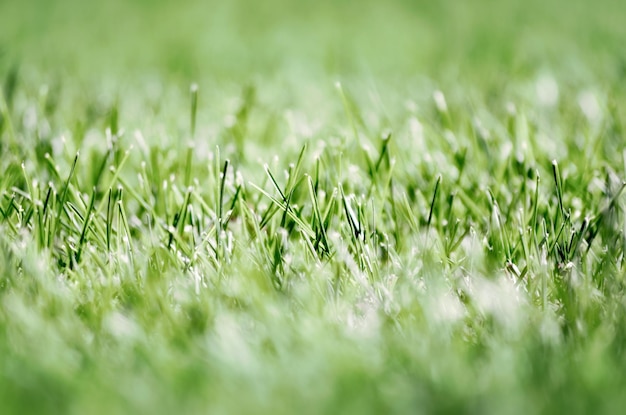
[314, 207]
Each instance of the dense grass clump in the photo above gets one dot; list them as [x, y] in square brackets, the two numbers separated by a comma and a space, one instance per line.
[273, 214]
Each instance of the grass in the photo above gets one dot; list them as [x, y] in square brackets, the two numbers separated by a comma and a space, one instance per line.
[421, 218]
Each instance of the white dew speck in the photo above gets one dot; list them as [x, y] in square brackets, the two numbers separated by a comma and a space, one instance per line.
[440, 101]
[590, 106]
[547, 91]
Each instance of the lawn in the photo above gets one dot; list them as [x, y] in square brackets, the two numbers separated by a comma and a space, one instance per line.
[312, 207]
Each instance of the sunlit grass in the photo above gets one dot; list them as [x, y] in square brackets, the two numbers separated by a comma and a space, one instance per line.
[313, 234]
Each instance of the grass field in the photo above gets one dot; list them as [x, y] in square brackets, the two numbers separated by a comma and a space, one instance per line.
[312, 207]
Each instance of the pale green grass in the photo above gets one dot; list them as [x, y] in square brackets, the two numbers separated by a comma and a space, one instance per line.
[282, 213]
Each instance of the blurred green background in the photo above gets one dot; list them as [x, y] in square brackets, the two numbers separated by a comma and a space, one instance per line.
[448, 39]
